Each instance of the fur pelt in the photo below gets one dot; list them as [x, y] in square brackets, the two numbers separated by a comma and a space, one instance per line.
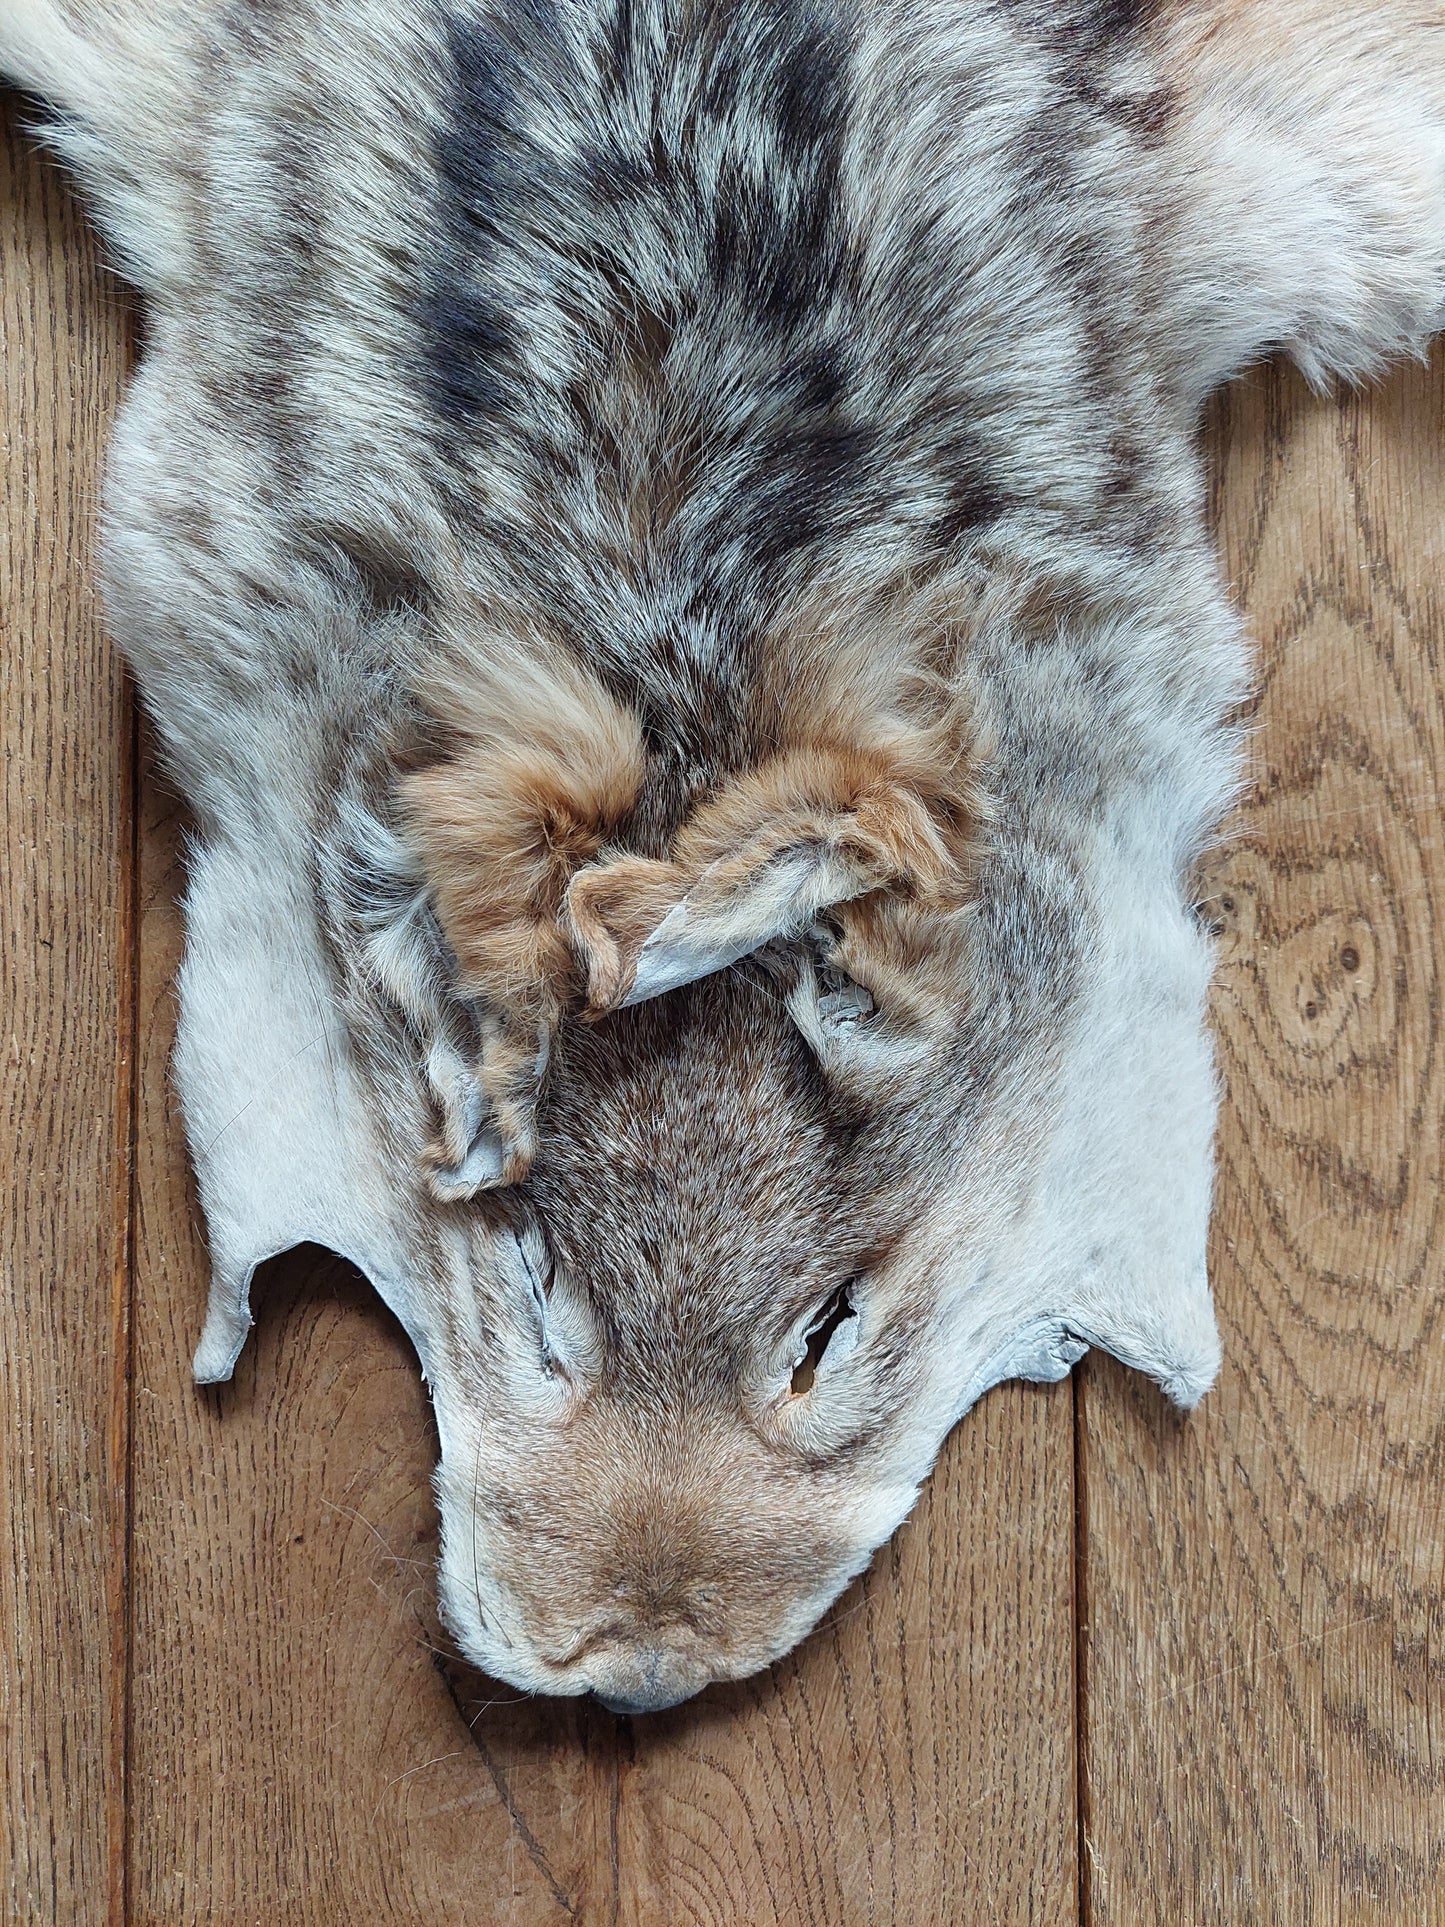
[664, 542]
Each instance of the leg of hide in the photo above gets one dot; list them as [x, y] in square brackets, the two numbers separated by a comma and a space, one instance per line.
[1301, 149]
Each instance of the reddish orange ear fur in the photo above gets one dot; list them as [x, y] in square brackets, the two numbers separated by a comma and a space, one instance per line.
[612, 909]
[512, 828]
[891, 816]
[543, 774]
[905, 817]
[501, 832]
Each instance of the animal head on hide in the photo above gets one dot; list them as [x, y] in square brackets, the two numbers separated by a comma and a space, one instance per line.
[781, 1227]
[772, 1228]
[704, 1058]
[704, 1378]
[810, 1163]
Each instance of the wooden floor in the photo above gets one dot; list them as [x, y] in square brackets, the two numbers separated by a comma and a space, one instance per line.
[1121, 1666]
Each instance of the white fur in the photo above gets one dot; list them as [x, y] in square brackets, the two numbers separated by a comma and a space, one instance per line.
[284, 1149]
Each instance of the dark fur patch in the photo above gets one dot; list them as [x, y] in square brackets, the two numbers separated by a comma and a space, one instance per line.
[490, 174]
[536, 213]
[973, 503]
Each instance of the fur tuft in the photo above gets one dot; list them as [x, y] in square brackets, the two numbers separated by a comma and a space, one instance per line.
[546, 772]
[801, 833]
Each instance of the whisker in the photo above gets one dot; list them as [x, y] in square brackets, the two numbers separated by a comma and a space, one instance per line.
[411, 1773]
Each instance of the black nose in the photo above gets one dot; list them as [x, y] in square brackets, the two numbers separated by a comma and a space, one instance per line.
[653, 1703]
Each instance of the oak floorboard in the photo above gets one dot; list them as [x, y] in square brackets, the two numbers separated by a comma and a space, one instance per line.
[66, 871]
[912, 1764]
[1264, 1655]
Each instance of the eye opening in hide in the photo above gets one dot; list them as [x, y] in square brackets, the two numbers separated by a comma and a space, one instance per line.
[816, 1339]
[538, 1264]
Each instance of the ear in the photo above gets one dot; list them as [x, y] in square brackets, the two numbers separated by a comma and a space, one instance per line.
[380, 918]
[542, 773]
[545, 767]
[814, 827]
[883, 981]
[486, 1103]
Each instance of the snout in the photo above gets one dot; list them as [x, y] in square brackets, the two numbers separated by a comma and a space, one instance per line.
[657, 1580]
[642, 1706]
[645, 1679]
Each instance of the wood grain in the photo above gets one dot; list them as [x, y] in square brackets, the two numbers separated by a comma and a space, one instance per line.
[1264, 1664]
[912, 1763]
[65, 991]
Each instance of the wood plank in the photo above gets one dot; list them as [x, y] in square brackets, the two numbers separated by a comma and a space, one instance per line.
[914, 1761]
[66, 873]
[299, 1753]
[1264, 1662]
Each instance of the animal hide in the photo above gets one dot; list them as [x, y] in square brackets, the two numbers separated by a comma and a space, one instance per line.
[664, 543]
